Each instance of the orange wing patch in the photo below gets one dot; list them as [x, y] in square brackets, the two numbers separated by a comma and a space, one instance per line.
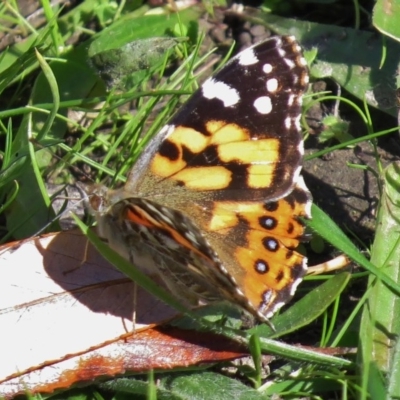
[222, 132]
[227, 145]
[269, 268]
[273, 268]
[137, 215]
[272, 272]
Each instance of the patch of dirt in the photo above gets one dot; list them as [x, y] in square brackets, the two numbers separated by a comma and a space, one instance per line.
[345, 182]
[348, 194]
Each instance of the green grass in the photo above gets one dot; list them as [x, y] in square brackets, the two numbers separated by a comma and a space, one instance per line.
[50, 93]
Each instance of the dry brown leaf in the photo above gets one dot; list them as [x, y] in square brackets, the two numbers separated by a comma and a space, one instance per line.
[68, 318]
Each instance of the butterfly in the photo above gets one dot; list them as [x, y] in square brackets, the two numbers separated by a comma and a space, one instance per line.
[214, 204]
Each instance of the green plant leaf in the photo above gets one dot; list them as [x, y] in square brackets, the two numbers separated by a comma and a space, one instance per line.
[386, 18]
[208, 385]
[191, 386]
[124, 67]
[149, 26]
[328, 230]
[303, 386]
[380, 325]
[307, 309]
[29, 212]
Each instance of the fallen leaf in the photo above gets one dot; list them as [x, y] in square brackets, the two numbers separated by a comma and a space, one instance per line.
[69, 318]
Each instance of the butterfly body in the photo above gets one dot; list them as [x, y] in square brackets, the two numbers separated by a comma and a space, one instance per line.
[213, 205]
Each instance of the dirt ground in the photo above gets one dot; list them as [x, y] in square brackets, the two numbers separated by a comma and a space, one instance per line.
[350, 195]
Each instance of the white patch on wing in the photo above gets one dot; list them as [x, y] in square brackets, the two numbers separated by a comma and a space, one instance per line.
[275, 309]
[263, 105]
[297, 123]
[300, 184]
[267, 68]
[290, 63]
[282, 53]
[247, 57]
[166, 131]
[302, 60]
[300, 147]
[213, 89]
[272, 85]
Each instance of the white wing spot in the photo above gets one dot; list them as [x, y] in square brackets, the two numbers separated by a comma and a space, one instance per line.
[300, 184]
[166, 130]
[267, 68]
[282, 53]
[300, 147]
[247, 57]
[272, 244]
[290, 63]
[219, 90]
[297, 122]
[275, 309]
[295, 284]
[278, 41]
[288, 123]
[267, 296]
[263, 105]
[302, 60]
[272, 85]
[192, 237]
[296, 175]
[261, 267]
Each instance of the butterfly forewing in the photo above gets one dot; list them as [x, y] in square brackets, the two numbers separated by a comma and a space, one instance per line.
[238, 135]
